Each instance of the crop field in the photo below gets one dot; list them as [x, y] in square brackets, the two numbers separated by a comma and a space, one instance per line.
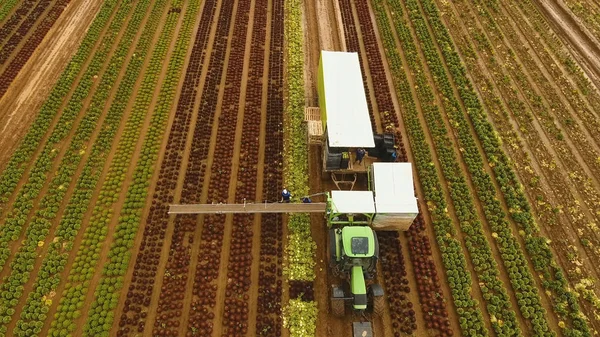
[111, 110]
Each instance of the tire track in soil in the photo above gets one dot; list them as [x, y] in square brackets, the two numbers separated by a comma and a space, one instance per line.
[478, 204]
[587, 131]
[545, 69]
[203, 123]
[129, 175]
[58, 162]
[560, 244]
[584, 96]
[575, 188]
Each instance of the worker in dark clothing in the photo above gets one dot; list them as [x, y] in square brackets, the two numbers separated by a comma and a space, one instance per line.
[360, 154]
[285, 195]
[306, 200]
[394, 156]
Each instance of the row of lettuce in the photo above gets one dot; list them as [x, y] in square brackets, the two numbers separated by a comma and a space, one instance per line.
[299, 315]
[503, 319]
[39, 299]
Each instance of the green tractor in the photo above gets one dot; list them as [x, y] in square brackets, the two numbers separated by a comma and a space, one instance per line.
[353, 253]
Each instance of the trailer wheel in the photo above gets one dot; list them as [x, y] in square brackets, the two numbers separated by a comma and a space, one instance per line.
[338, 307]
[378, 305]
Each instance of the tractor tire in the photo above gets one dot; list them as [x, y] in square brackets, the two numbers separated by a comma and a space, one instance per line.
[378, 305]
[338, 307]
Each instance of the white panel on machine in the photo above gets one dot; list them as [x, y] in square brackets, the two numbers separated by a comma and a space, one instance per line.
[348, 122]
[352, 202]
[395, 199]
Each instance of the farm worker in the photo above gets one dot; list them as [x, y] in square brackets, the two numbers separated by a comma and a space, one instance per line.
[306, 200]
[360, 154]
[394, 156]
[285, 195]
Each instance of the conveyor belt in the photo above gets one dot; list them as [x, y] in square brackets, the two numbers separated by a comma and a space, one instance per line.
[318, 207]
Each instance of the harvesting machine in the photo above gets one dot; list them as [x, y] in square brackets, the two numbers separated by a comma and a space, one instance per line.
[339, 126]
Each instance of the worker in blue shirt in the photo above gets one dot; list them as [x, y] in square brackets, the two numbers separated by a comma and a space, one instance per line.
[394, 156]
[360, 154]
[285, 195]
[306, 200]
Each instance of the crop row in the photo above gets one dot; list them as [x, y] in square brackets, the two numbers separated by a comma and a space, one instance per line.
[430, 292]
[270, 275]
[353, 45]
[299, 314]
[6, 7]
[56, 257]
[549, 215]
[15, 19]
[79, 203]
[140, 289]
[17, 164]
[23, 204]
[575, 150]
[535, 245]
[588, 119]
[111, 282]
[236, 311]
[29, 46]
[553, 44]
[513, 259]
[565, 304]
[205, 284]
[40, 224]
[453, 256]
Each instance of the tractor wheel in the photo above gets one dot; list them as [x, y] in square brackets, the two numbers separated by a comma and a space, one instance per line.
[338, 307]
[378, 305]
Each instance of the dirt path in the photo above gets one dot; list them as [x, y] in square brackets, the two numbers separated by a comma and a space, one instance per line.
[31, 87]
